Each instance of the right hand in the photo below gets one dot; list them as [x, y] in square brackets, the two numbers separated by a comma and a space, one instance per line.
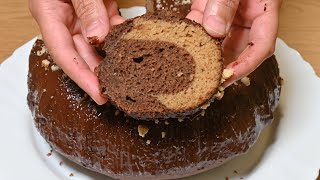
[67, 27]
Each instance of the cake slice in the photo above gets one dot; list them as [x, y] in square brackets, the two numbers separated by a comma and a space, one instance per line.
[160, 65]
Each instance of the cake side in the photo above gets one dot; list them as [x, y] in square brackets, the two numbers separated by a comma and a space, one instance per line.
[105, 140]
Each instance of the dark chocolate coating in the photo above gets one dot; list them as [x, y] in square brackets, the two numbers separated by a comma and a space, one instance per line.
[103, 139]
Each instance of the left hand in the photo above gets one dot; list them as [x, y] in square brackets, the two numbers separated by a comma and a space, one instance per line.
[249, 27]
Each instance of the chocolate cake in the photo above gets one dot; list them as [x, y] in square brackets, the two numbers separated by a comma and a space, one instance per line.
[160, 65]
[106, 140]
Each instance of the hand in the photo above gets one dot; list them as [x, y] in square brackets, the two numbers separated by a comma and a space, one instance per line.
[250, 27]
[67, 27]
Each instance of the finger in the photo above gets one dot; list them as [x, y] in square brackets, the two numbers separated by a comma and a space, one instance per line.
[113, 13]
[94, 19]
[197, 9]
[261, 45]
[87, 52]
[218, 16]
[61, 47]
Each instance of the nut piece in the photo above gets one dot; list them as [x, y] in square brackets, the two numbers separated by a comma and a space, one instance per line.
[245, 81]
[42, 51]
[45, 63]
[163, 134]
[143, 130]
[203, 112]
[148, 142]
[55, 68]
[219, 95]
[227, 73]
[166, 122]
[180, 119]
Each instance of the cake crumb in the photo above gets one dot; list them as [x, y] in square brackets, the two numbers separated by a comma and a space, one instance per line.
[203, 112]
[60, 163]
[45, 63]
[166, 122]
[246, 81]
[49, 154]
[250, 44]
[180, 74]
[227, 73]
[54, 68]
[235, 171]
[191, 77]
[117, 113]
[143, 130]
[148, 142]
[163, 134]
[71, 174]
[205, 106]
[180, 119]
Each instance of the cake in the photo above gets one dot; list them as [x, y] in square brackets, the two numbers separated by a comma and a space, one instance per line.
[160, 65]
[107, 140]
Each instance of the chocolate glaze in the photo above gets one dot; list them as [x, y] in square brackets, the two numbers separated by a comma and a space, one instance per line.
[105, 140]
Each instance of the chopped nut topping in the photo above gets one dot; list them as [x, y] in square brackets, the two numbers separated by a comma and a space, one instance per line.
[44, 90]
[42, 51]
[51, 97]
[203, 112]
[246, 81]
[227, 73]
[143, 130]
[220, 88]
[156, 121]
[117, 113]
[166, 122]
[163, 134]
[45, 63]
[180, 119]
[219, 95]
[148, 142]
[55, 68]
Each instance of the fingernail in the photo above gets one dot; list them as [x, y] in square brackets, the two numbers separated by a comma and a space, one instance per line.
[95, 29]
[215, 24]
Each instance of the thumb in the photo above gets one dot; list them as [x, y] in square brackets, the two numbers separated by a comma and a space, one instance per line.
[93, 19]
[218, 16]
